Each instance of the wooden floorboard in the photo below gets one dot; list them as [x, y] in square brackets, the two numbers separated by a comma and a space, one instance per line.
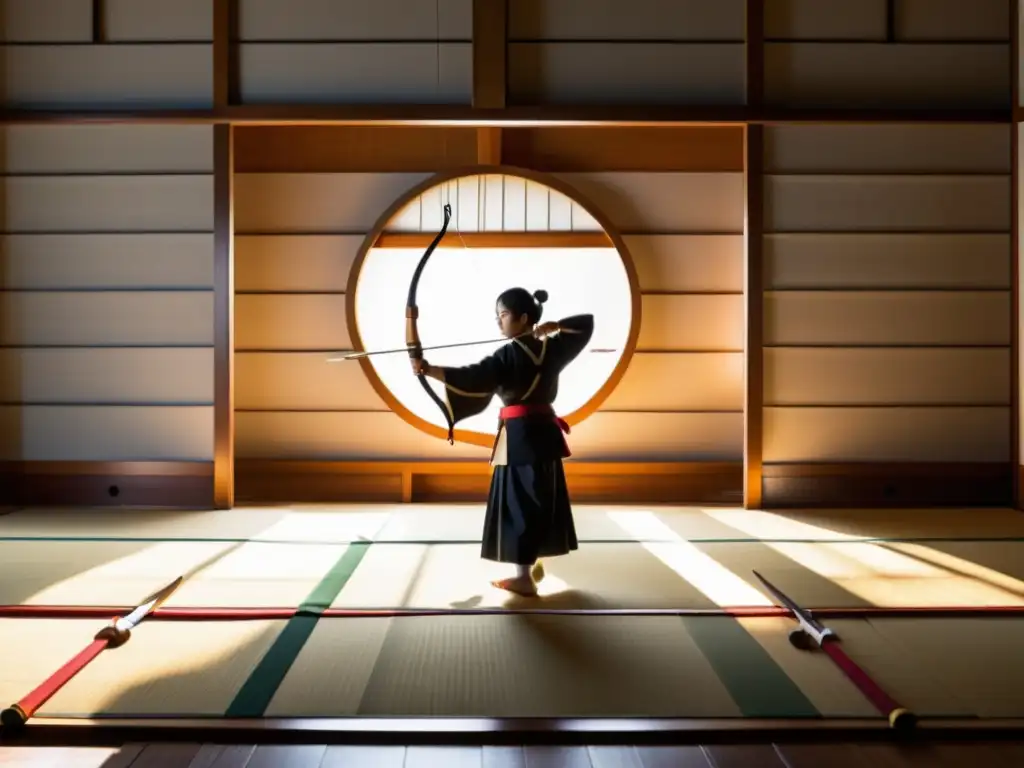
[837, 755]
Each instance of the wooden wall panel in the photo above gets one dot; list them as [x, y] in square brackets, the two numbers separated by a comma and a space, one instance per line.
[290, 309]
[107, 306]
[107, 149]
[353, 148]
[157, 20]
[887, 75]
[652, 51]
[276, 322]
[890, 318]
[676, 20]
[348, 51]
[806, 261]
[102, 433]
[692, 323]
[316, 202]
[301, 381]
[105, 318]
[824, 20]
[653, 202]
[888, 149]
[76, 77]
[108, 261]
[952, 20]
[695, 148]
[112, 375]
[687, 263]
[355, 73]
[626, 73]
[116, 204]
[294, 263]
[829, 203]
[919, 434]
[888, 306]
[892, 376]
[385, 437]
[46, 21]
[680, 382]
[356, 20]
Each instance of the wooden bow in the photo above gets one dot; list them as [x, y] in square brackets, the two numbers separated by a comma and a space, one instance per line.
[412, 313]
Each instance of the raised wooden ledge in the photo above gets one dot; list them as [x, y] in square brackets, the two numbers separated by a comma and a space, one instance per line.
[880, 485]
[179, 484]
[411, 481]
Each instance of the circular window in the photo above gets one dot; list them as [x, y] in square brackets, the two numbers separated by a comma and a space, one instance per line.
[508, 228]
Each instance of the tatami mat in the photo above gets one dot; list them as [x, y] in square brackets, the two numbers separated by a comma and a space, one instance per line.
[167, 668]
[95, 573]
[655, 575]
[342, 523]
[980, 660]
[523, 666]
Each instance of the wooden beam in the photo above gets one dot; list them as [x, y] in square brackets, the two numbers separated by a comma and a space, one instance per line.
[497, 240]
[753, 263]
[512, 116]
[754, 54]
[490, 53]
[225, 14]
[490, 67]
[753, 347]
[99, 21]
[488, 146]
[1015, 234]
[223, 318]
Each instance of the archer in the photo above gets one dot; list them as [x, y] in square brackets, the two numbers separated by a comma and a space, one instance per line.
[528, 511]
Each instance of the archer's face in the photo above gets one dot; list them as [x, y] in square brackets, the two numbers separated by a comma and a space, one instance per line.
[509, 324]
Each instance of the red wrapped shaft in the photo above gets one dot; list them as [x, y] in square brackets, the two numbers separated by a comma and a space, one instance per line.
[897, 715]
[28, 705]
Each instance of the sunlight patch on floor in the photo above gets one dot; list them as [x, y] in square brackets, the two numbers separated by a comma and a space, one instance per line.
[714, 580]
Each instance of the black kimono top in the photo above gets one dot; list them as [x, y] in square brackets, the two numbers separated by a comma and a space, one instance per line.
[523, 372]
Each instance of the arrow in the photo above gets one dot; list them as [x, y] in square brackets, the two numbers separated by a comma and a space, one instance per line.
[358, 355]
[899, 717]
[114, 635]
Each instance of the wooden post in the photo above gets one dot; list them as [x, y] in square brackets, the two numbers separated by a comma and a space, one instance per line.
[223, 264]
[753, 287]
[490, 63]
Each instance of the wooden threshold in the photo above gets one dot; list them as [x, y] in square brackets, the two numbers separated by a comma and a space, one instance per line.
[496, 240]
[495, 731]
[513, 116]
[468, 481]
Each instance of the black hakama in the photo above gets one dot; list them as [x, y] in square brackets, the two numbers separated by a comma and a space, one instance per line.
[528, 515]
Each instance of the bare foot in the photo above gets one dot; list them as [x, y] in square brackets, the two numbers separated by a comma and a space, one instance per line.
[538, 572]
[520, 586]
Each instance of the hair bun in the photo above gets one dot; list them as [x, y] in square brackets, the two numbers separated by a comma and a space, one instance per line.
[540, 296]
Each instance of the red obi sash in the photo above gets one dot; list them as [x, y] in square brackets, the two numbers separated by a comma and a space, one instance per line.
[536, 409]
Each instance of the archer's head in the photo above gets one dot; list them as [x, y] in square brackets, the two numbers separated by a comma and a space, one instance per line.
[518, 310]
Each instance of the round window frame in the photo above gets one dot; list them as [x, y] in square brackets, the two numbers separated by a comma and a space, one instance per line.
[468, 436]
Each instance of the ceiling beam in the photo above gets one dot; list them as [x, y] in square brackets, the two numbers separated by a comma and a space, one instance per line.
[514, 116]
